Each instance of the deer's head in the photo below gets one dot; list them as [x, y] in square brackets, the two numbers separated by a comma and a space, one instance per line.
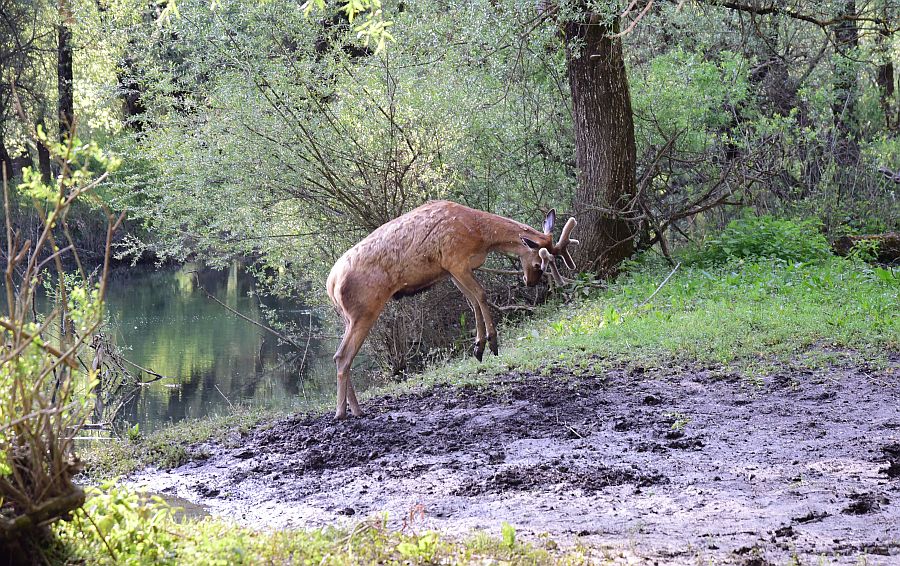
[542, 255]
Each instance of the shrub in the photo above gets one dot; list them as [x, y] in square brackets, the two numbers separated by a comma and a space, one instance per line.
[45, 383]
[756, 237]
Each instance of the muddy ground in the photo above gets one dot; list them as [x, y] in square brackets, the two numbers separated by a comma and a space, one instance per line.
[667, 465]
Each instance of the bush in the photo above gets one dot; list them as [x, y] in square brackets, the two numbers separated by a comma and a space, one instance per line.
[756, 237]
[45, 382]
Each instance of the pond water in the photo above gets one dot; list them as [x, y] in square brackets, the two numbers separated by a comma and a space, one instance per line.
[215, 360]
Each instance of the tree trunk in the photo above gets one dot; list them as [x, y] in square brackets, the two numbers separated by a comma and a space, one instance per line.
[65, 83]
[846, 40]
[44, 163]
[885, 77]
[130, 90]
[604, 143]
[5, 160]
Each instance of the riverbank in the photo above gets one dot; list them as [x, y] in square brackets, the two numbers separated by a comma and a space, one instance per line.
[744, 411]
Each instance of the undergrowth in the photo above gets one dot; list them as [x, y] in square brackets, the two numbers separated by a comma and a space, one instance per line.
[170, 446]
[118, 526]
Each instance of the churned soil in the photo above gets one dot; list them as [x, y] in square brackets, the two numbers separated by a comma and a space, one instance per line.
[670, 465]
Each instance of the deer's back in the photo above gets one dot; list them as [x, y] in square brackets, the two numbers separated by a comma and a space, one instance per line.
[408, 254]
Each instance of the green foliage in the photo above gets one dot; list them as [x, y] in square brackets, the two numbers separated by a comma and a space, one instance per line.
[119, 526]
[508, 533]
[763, 237]
[311, 151]
[746, 316]
[686, 92]
[864, 250]
[45, 383]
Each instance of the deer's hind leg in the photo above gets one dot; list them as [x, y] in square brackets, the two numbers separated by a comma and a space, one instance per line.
[359, 322]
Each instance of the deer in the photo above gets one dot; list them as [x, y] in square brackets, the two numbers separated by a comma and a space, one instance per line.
[413, 252]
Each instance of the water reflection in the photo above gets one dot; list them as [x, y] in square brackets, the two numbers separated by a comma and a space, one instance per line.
[165, 322]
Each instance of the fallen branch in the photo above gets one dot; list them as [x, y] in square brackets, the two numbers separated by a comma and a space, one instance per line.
[512, 307]
[158, 376]
[887, 246]
[666, 280]
[224, 397]
[47, 511]
[499, 271]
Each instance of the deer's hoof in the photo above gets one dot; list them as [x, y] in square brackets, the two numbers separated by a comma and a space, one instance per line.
[492, 342]
[340, 416]
[478, 351]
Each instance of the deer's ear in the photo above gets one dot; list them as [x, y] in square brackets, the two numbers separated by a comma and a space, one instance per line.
[531, 244]
[549, 221]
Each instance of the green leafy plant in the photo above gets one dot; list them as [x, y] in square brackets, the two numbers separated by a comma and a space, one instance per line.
[508, 535]
[45, 384]
[888, 276]
[758, 237]
[864, 250]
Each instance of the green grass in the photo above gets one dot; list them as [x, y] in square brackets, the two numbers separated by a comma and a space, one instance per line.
[171, 446]
[749, 317]
[117, 526]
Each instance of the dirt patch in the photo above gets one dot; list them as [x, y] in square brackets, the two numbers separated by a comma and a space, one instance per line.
[675, 465]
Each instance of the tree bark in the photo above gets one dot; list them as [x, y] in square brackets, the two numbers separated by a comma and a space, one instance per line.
[846, 40]
[44, 163]
[605, 152]
[130, 90]
[5, 159]
[65, 82]
[885, 77]
[888, 245]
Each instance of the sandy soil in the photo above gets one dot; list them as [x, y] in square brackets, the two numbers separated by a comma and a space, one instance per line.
[666, 464]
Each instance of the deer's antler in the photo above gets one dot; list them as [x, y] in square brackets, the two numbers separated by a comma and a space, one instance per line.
[561, 247]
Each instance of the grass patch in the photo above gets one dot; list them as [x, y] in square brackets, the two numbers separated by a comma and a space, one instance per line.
[171, 446]
[118, 526]
[748, 316]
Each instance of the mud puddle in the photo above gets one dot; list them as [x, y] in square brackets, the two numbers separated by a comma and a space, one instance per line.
[673, 465]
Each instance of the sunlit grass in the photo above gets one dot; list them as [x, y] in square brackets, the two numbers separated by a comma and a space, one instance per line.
[745, 316]
[118, 525]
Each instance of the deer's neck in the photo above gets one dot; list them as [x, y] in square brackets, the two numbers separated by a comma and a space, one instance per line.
[505, 235]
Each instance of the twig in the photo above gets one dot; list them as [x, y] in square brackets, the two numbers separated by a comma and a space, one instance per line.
[512, 307]
[499, 271]
[47, 347]
[248, 319]
[223, 396]
[666, 280]
[308, 340]
[158, 376]
[575, 432]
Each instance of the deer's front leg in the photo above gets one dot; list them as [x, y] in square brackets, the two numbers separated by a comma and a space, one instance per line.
[478, 346]
[476, 295]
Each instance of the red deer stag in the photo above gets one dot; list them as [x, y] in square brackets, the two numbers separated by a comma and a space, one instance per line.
[411, 253]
